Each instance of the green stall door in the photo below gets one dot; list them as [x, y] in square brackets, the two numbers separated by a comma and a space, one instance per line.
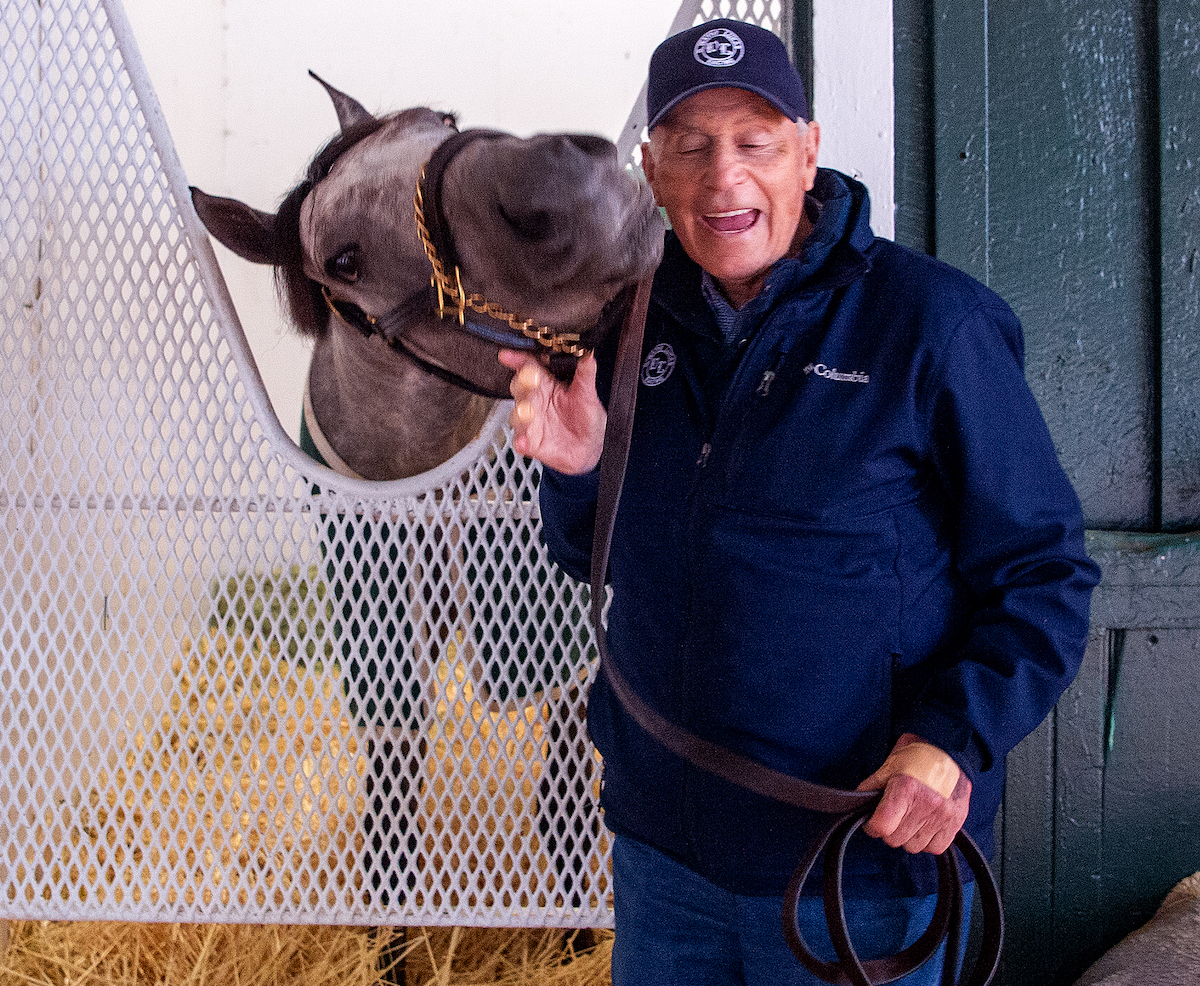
[1052, 150]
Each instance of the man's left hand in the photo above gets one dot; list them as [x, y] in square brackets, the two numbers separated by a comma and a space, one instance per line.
[926, 797]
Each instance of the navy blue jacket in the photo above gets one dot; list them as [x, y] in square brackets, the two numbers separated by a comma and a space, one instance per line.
[851, 525]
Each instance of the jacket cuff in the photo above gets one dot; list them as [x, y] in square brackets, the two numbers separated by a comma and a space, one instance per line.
[948, 732]
[581, 487]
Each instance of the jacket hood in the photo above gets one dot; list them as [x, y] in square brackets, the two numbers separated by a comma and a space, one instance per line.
[834, 254]
[842, 234]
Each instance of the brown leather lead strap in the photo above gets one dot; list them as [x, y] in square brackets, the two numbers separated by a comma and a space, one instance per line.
[848, 808]
[617, 436]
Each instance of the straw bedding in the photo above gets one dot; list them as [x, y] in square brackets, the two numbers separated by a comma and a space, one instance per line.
[73, 954]
[236, 682]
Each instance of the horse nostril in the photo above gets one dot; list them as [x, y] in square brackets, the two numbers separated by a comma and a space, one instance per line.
[533, 225]
[593, 146]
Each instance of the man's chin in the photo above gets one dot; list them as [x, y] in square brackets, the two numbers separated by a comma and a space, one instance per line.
[734, 273]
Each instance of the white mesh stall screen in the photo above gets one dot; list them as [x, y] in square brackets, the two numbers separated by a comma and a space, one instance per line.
[226, 695]
[771, 14]
[220, 695]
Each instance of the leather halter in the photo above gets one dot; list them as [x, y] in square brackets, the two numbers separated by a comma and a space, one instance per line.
[452, 299]
[404, 315]
[444, 297]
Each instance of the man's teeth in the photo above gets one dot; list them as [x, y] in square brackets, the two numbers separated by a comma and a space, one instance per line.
[734, 221]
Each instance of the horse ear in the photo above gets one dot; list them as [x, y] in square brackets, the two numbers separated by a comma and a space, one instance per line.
[349, 111]
[246, 231]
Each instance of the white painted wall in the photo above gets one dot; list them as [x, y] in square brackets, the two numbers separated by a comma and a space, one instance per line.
[231, 76]
[853, 98]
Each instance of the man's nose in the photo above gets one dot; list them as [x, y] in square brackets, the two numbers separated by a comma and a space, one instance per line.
[726, 167]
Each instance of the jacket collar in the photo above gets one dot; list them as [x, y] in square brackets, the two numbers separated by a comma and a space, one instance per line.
[834, 254]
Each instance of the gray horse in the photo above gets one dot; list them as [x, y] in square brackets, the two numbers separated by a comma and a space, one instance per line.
[545, 232]
[412, 253]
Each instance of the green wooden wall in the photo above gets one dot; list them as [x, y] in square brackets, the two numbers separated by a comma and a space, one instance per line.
[1052, 150]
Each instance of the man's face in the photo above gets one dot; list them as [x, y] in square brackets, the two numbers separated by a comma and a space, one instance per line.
[732, 171]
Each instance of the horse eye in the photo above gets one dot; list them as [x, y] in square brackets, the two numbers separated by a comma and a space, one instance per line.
[344, 266]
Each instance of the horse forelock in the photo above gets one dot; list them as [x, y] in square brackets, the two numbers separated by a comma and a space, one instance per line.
[301, 295]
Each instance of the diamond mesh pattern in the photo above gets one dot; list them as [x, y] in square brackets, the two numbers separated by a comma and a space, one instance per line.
[233, 686]
[765, 13]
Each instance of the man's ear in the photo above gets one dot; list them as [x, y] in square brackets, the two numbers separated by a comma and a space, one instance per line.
[812, 143]
[648, 162]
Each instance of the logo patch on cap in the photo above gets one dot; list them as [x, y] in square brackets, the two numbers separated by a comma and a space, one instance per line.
[719, 48]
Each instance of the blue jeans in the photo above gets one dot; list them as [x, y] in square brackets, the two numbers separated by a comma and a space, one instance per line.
[674, 928]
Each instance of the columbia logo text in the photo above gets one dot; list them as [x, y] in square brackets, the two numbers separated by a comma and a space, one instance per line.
[833, 373]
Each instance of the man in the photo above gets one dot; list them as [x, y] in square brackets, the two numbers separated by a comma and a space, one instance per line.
[845, 546]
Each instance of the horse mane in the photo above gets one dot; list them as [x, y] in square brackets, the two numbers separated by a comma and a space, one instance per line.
[300, 294]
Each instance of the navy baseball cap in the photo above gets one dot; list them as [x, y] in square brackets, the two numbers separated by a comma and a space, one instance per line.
[721, 53]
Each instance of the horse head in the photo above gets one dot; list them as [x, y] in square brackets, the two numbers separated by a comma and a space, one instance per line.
[446, 246]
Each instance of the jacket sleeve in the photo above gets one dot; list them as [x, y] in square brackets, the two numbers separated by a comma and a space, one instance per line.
[568, 508]
[1018, 543]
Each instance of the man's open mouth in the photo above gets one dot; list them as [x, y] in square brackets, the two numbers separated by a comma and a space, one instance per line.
[732, 222]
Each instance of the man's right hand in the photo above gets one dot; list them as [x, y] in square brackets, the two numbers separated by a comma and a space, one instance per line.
[560, 426]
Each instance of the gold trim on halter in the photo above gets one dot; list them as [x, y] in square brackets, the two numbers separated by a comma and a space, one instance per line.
[451, 290]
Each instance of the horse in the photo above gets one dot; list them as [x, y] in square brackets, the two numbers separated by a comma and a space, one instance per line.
[536, 239]
[411, 253]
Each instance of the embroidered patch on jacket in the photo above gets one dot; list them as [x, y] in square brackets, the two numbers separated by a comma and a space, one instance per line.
[833, 373]
[659, 363]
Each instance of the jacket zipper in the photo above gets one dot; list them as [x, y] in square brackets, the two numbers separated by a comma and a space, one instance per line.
[726, 406]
